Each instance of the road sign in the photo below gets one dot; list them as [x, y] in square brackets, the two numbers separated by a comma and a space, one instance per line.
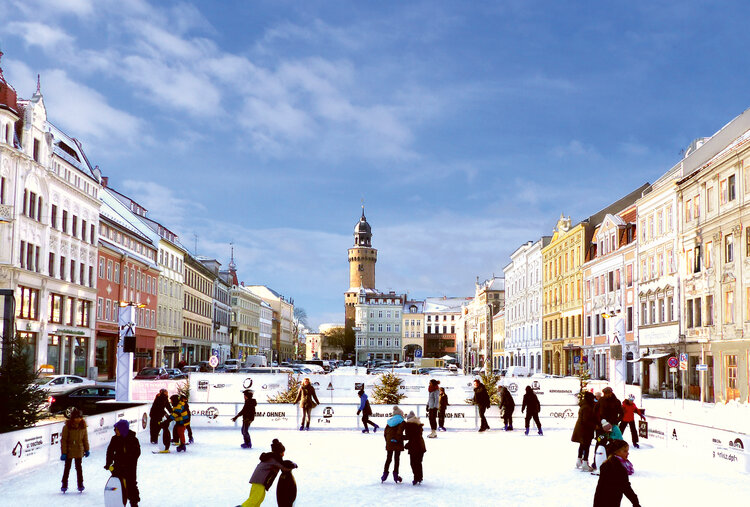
[418, 353]
[213, 361]
[701, 367]
[683, 362]
[672, 369]
[673, 362]
[330, 386]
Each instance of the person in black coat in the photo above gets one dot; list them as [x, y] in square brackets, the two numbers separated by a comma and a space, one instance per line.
[366, 411]
[248, 416]
[609, 407]
[123, 452]
[482, 401]
[442, 409]
[613, 477]
[507, 405]
[583, 432]
[532, 406]
[415, 445]
[159, 410]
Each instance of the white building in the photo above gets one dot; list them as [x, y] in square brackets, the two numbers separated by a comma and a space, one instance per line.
[378, 316]
[49, 214]
[523, 307]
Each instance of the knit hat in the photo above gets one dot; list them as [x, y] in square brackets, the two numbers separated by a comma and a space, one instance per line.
[607, 390]
[398, 411]
[412, 418]
[606, 425]
[75, 413]
[174, 399]
[277, 446]
[122, 426]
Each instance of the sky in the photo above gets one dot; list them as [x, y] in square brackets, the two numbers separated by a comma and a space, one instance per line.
[466, 128]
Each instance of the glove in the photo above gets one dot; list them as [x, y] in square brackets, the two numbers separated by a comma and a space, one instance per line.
[63, 457]
[358, 411]
[86, 454]
[111, 468]
[234, 419]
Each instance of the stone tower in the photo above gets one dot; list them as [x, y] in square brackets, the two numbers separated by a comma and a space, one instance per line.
[362, 259]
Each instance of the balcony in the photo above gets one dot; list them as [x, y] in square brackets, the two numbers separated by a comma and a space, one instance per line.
[6, 213]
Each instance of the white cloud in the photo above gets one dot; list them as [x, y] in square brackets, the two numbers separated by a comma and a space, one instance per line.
[576, 148]
[47, 37]
[162, 203]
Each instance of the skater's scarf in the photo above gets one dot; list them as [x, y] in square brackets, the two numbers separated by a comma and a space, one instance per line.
[626, 464]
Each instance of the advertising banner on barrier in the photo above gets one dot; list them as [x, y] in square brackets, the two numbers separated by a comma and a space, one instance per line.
[146, 390]
[228, 387]
[550, 391]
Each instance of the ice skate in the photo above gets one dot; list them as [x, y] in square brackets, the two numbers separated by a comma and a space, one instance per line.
[526, 432]
[579, 462]
[64, 489]
[245, 446]
[302, 427]
[432, 434]
[396, 478]
[585, 467]
[540, 433]
[366, 430]
[384, 476]
[375, 429]
[181, 448]
[80, 489]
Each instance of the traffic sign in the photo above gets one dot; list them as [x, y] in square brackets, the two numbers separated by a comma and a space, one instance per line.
[672, 369]
[330, 386]
[418, 353]
[673, 362]
[701, 367]
[683, 362]
[213, 361]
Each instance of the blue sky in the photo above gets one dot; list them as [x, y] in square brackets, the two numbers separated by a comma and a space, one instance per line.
[467, 127]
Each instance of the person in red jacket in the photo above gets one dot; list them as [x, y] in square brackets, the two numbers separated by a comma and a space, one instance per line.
[629, 409]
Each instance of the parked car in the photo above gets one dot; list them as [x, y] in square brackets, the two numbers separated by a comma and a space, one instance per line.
[348, 362]
[84, 398]
[232, 365]
[517, 371]
[191, 368]
[61, 383]
[152, 374]
[175, 373]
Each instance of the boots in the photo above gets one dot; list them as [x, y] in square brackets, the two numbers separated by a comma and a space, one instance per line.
[585, 467]
[432, 434]
[540, 432]
[579, 462]
[384, 476]
[526, 432]
[396, 478]
[375, 429]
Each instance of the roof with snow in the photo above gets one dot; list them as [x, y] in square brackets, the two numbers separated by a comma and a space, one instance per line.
[445, 304]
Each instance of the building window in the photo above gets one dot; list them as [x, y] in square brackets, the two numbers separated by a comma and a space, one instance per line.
[730, 361]
[729, 248]
[728, 307]
[28, 307]
[629, 318]
[709, 310]
[84, 307]
[53, 216]
[689, 210]
[709, 199]
[65, 221]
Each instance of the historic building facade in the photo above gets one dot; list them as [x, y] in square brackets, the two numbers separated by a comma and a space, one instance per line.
[441, 316]
[378, 316]
[362, 259]
[474, 328]
[412, 328]
[282, 343]
[197, 311]
[523, 307]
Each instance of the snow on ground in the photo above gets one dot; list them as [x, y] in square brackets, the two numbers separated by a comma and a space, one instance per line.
[730, 416]
[344, 468]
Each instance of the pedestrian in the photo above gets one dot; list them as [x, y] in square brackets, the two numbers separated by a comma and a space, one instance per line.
[629, 409]
[366, 411]
[265, 473]
[609, 407]
[394, 443]
[415, 445]
[482, 401]
[180, 416]
[532, 406]
[159, 410]
[188, 427]
[442, 409]
[433, 403]
[248, 416]
[507, 405]
[613, 479]
[583, 432]
[307, 400]
[123, 452]
[74, 446]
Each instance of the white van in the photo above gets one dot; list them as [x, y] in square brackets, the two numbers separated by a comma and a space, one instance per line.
[517, 371]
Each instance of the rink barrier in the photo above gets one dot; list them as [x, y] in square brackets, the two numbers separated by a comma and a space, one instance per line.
[26, 449]
[718, 447]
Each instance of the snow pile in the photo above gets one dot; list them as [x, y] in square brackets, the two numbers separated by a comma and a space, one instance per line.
[732, 416]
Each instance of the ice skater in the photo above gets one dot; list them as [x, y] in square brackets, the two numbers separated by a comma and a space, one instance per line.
[188, 427]
[123, 452]
[159, 410]
[366, 410]
[507, 405]
[613, 478]
[433, 403]
[482, 401]
[394, 443]
[442, 409]
[583, 432]
[248, 416]
[307, 400]
[532, 406]
[629, 409]
[415, 445]
[180, 416]
[265, 473]
[74, 446]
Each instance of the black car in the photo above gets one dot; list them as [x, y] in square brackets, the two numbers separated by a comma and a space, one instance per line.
[84, 398]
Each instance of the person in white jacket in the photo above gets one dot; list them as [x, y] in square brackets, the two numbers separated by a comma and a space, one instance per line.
[433, 403]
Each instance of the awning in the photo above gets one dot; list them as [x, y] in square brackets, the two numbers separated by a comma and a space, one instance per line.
[651, 356]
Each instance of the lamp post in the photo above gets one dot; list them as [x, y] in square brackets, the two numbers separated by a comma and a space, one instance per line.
[617, 330]
[356, 330]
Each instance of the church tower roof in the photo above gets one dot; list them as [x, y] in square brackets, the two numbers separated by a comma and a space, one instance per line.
[362, 231]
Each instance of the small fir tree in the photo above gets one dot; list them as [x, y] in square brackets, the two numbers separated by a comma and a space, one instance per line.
[386, 392]
[490, 381]
[583, 379]
[21, 400]
[183, 388]
[288, 396]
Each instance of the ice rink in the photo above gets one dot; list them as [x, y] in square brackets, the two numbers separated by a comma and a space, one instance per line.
[343, 468]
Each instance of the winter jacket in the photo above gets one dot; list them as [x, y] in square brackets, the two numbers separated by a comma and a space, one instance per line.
[629, 409]
[160, 408]
[394, 433]
[507, 405]
[180, 414]
[530, 402]
[187, 410]
[364, 406]
[413, 430]
[248, 410]
[481, 397]
[433, 400]
[443, 401]
[75, 439]
[613, 484]
[265, 472]
[306, 397]
[123, 453]
[609, 408]
[586, 423]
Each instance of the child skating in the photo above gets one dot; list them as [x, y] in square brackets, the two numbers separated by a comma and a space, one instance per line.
[394, 443]
[74, 446]
[415, 445]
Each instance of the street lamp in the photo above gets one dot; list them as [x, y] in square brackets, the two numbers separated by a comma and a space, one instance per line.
[356, 330]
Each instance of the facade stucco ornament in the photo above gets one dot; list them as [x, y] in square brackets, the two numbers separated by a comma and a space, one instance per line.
[5, 274]
[737, 230]
[563, 224]
[63, 248]
[716, 237]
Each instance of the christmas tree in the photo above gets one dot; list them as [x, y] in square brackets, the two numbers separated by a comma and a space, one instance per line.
[490, 381]
[290, 395]
[21, 400]
[583, 379]
[183, 389]
[386, 392]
